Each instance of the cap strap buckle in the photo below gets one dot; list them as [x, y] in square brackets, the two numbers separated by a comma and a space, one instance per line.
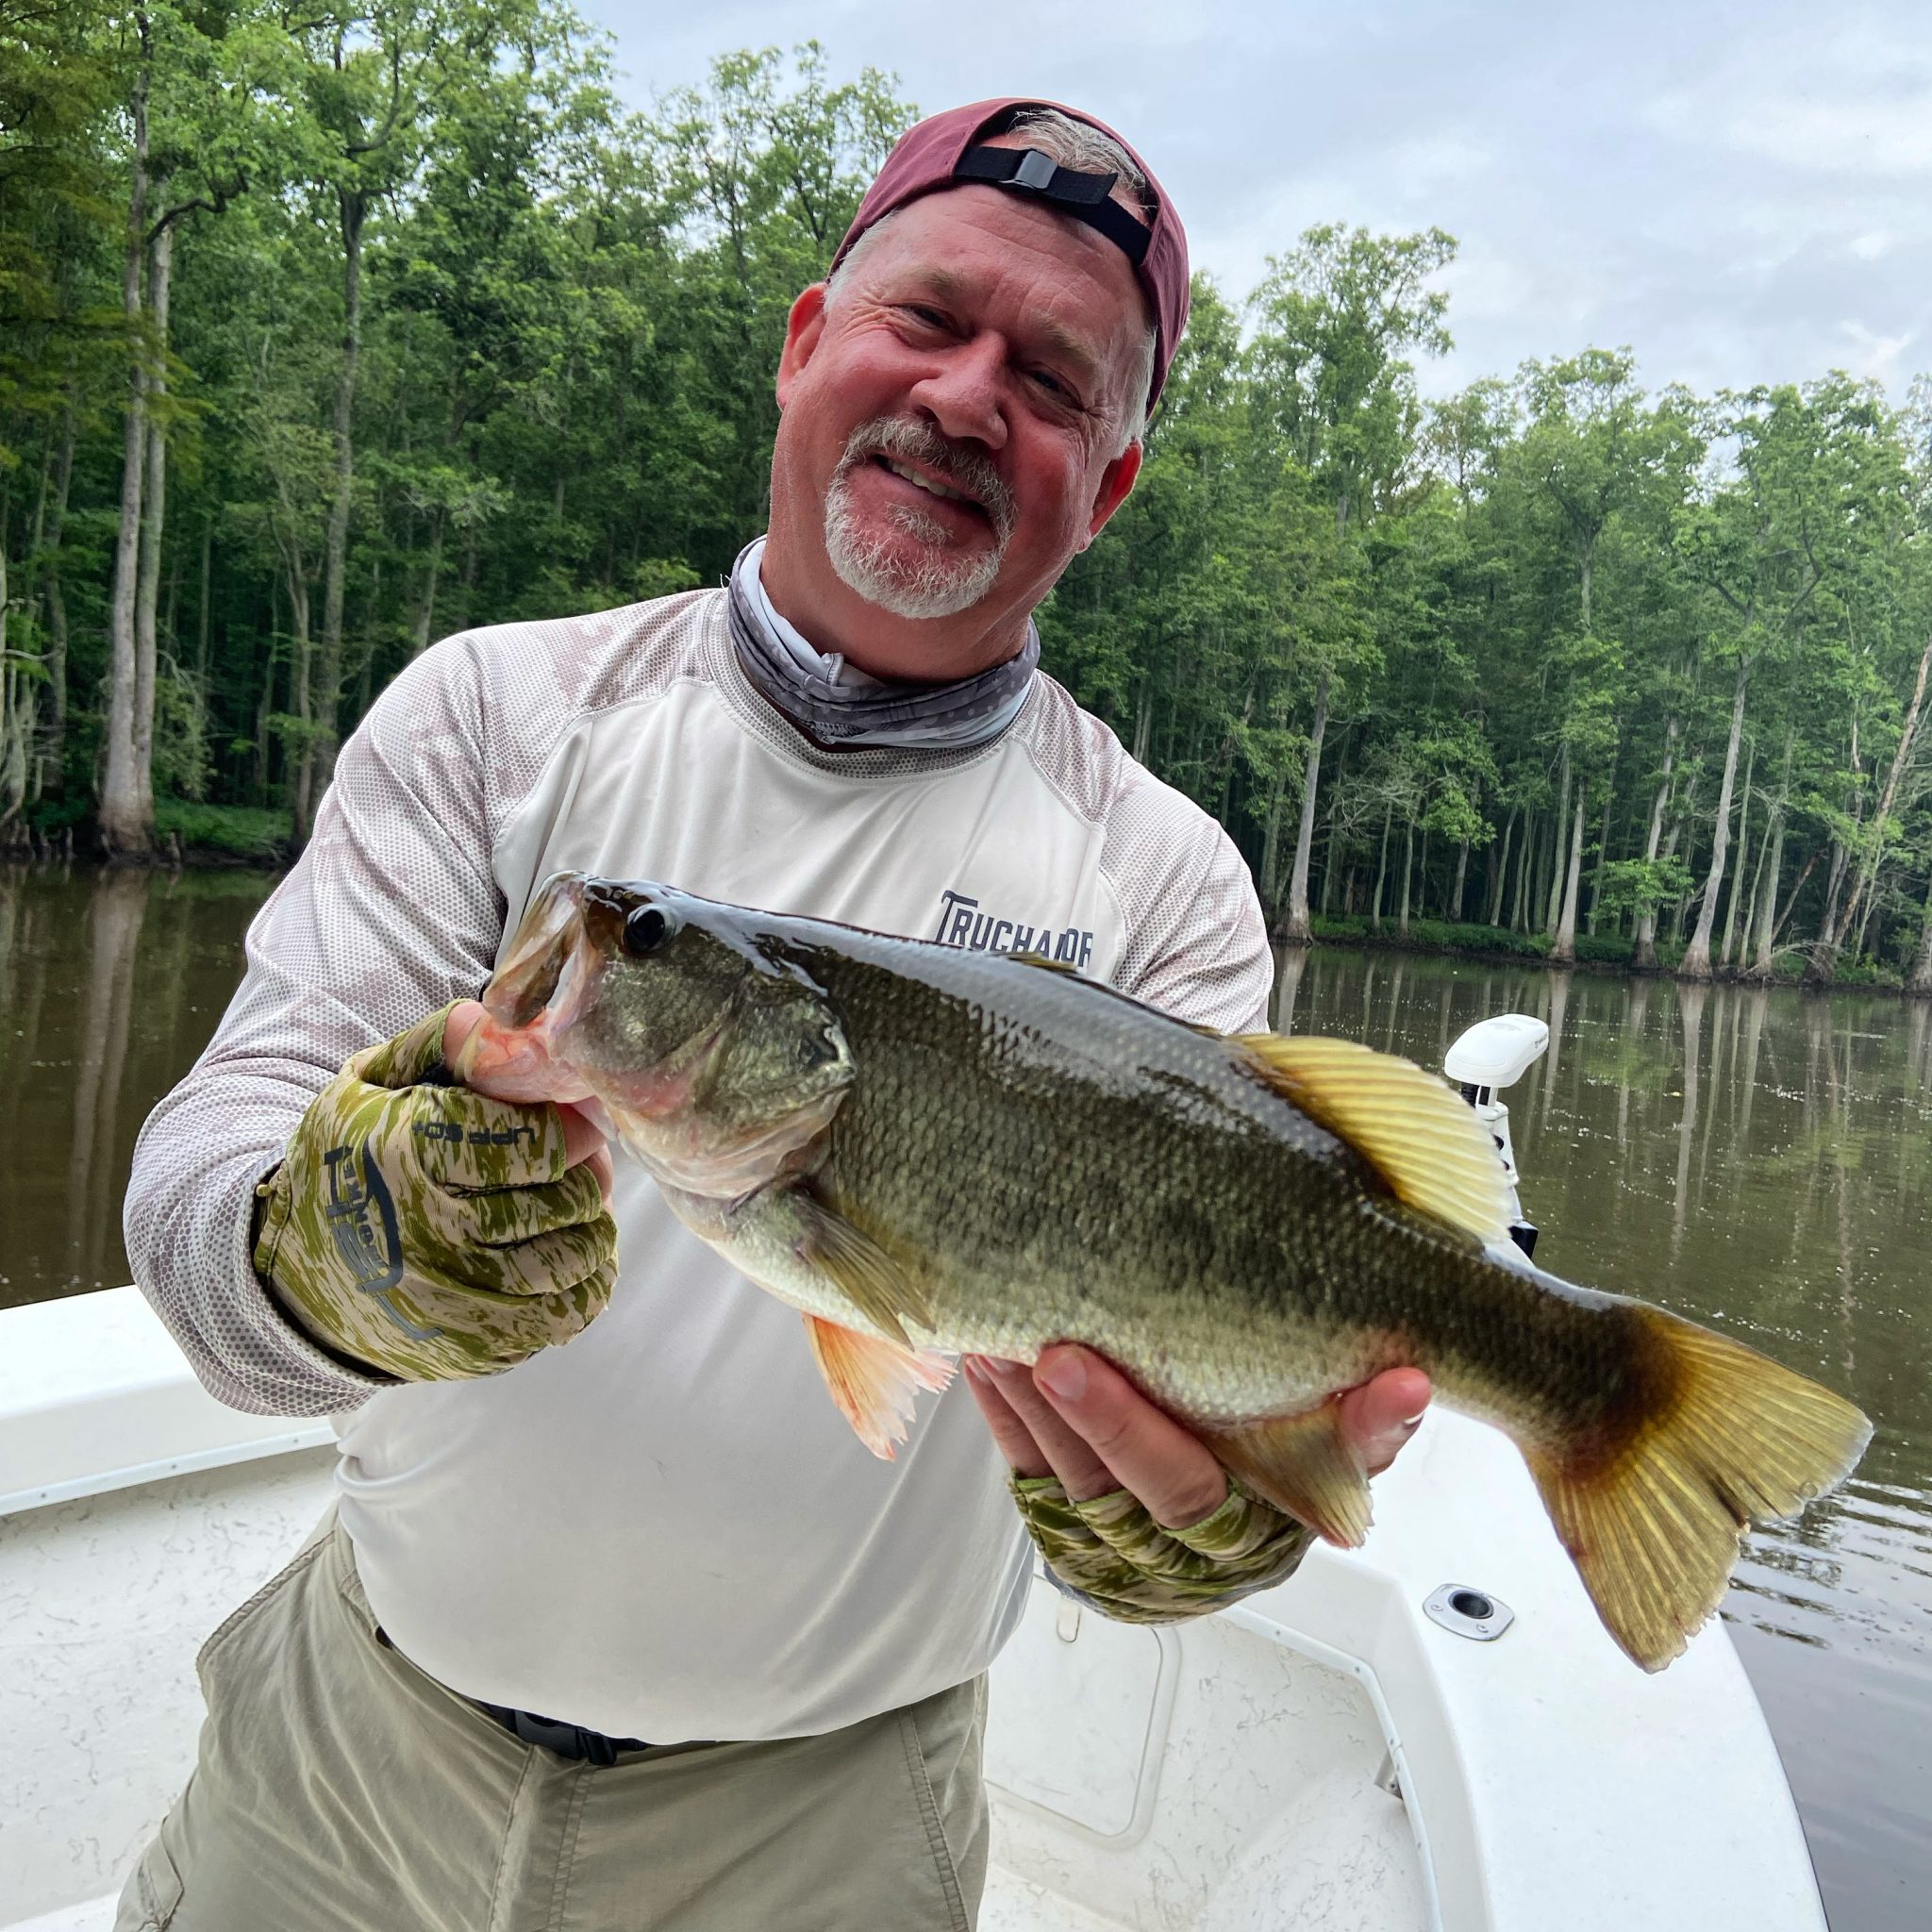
[1084, 197]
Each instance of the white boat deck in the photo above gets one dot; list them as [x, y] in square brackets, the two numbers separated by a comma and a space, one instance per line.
[1323, 1756]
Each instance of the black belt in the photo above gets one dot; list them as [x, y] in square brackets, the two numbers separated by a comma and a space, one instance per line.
[571, 1741]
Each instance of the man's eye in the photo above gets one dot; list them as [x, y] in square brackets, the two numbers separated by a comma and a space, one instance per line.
[1053, 384]
[925, 318]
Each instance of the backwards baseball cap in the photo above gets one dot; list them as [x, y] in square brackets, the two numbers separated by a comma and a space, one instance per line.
[946, 151]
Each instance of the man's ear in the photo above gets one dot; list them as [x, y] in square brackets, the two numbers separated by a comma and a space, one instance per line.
[1116, 484]
[803, 328]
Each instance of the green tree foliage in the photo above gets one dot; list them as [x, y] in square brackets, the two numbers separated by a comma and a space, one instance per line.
[327, 331]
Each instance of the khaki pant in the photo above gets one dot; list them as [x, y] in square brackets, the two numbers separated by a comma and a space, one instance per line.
[340, 1789]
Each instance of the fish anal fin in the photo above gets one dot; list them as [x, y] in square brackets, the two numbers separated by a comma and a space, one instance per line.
[1409, 1125]
[1304, 1464]
[862, 1271]
[1655, 1523]
[873, 1382]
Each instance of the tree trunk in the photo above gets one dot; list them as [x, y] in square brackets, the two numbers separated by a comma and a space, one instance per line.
[1727, 951]
[1554, 904]
[1330, 869]
[124, 826]
[1523, 864]
[327, 692]
[426, 616]
[13, 713]
[1271, 843]
[1381, 869]
[1564, 949]
[300, 759]
[1456, 892]
[1756, 908]
[1603, 854]
[1920, 980]
[1873, 848]
[161, 272]
[201, 631]
[1407, 876]
[1696, 961]
[264, 708]
[1644, 948]
[1767, 912]
[1492, 899]
[56, 752]
[1294, 930]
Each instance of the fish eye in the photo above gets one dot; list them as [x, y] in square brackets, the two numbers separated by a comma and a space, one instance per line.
[646, 929]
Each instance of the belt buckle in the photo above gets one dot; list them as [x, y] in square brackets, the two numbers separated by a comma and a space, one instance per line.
[569, 1742]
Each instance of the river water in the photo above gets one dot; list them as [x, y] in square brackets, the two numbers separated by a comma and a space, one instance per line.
[1763, 1161]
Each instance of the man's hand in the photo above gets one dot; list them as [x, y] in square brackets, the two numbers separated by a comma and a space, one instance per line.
[428, 1233]
[1130, 1511]
[1076, 1418]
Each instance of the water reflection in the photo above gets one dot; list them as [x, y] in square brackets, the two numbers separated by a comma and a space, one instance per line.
[110, 983]
[1763, 1161]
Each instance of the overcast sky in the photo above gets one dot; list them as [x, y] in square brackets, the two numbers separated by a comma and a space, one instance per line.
[1742, 193]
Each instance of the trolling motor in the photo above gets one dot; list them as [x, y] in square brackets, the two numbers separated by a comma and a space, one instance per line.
[1492, 1055]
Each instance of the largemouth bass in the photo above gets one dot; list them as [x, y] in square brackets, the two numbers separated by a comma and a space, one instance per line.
[929, 1151]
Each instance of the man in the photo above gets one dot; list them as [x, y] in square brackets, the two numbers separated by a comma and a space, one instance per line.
[632, 1632]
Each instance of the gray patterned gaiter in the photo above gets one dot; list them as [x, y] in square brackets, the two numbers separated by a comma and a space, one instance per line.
[838, 703]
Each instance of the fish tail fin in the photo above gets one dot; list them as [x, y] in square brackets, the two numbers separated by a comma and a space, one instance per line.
[1655, 1521]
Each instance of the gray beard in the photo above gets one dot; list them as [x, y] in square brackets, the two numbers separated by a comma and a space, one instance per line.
[935, 584]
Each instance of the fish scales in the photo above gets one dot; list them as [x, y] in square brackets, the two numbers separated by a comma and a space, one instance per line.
[1126, 1184]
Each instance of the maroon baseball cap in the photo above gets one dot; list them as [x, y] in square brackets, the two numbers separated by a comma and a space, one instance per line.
[944, 151]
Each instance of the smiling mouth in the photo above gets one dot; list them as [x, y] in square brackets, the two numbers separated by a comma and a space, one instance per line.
[946, 492]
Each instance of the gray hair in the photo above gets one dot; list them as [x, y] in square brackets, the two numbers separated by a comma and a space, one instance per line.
[1073, 144]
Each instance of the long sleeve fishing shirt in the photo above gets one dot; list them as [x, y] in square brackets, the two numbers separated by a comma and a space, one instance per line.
[663, 1529]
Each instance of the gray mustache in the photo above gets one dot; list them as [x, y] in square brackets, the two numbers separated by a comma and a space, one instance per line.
[964, 469]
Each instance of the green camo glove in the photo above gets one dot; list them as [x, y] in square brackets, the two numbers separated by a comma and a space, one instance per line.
[1118, 1559]
[426, 1232]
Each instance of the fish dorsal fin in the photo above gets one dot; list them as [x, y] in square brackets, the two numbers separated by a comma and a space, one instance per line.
[868, 1277]
[1045, 964]
[1409, 1125]
[873, 1381]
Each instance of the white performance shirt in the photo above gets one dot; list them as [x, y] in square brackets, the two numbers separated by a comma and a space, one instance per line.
[662, 1529]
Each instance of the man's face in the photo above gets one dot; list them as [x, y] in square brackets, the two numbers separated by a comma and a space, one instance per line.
[951, 429]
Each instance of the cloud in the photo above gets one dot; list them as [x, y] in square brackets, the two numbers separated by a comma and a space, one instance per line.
[1760, 213]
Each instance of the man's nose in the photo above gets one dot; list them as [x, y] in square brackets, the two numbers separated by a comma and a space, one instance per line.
[962, 394]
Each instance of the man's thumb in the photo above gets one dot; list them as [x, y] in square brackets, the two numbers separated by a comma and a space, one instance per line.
[464, 1018]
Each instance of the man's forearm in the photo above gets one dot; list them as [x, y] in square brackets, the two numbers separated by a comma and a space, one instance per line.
[190, 1233]
[391, 913]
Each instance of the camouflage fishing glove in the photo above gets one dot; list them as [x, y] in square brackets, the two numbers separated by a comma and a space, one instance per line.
[1114, 1555]
[426, 1232]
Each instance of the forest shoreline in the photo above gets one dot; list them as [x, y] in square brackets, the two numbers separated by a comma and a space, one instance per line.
[1466, 942]
[1525, 955]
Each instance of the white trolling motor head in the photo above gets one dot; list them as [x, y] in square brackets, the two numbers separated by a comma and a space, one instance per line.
[1492, 1055]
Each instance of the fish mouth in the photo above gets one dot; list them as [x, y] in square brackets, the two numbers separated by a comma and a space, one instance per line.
[544, 947]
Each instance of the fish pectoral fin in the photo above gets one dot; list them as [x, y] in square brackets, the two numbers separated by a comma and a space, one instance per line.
[862, 1271]
[1304, 1464]
[873, 1381]
[1409, 1125]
